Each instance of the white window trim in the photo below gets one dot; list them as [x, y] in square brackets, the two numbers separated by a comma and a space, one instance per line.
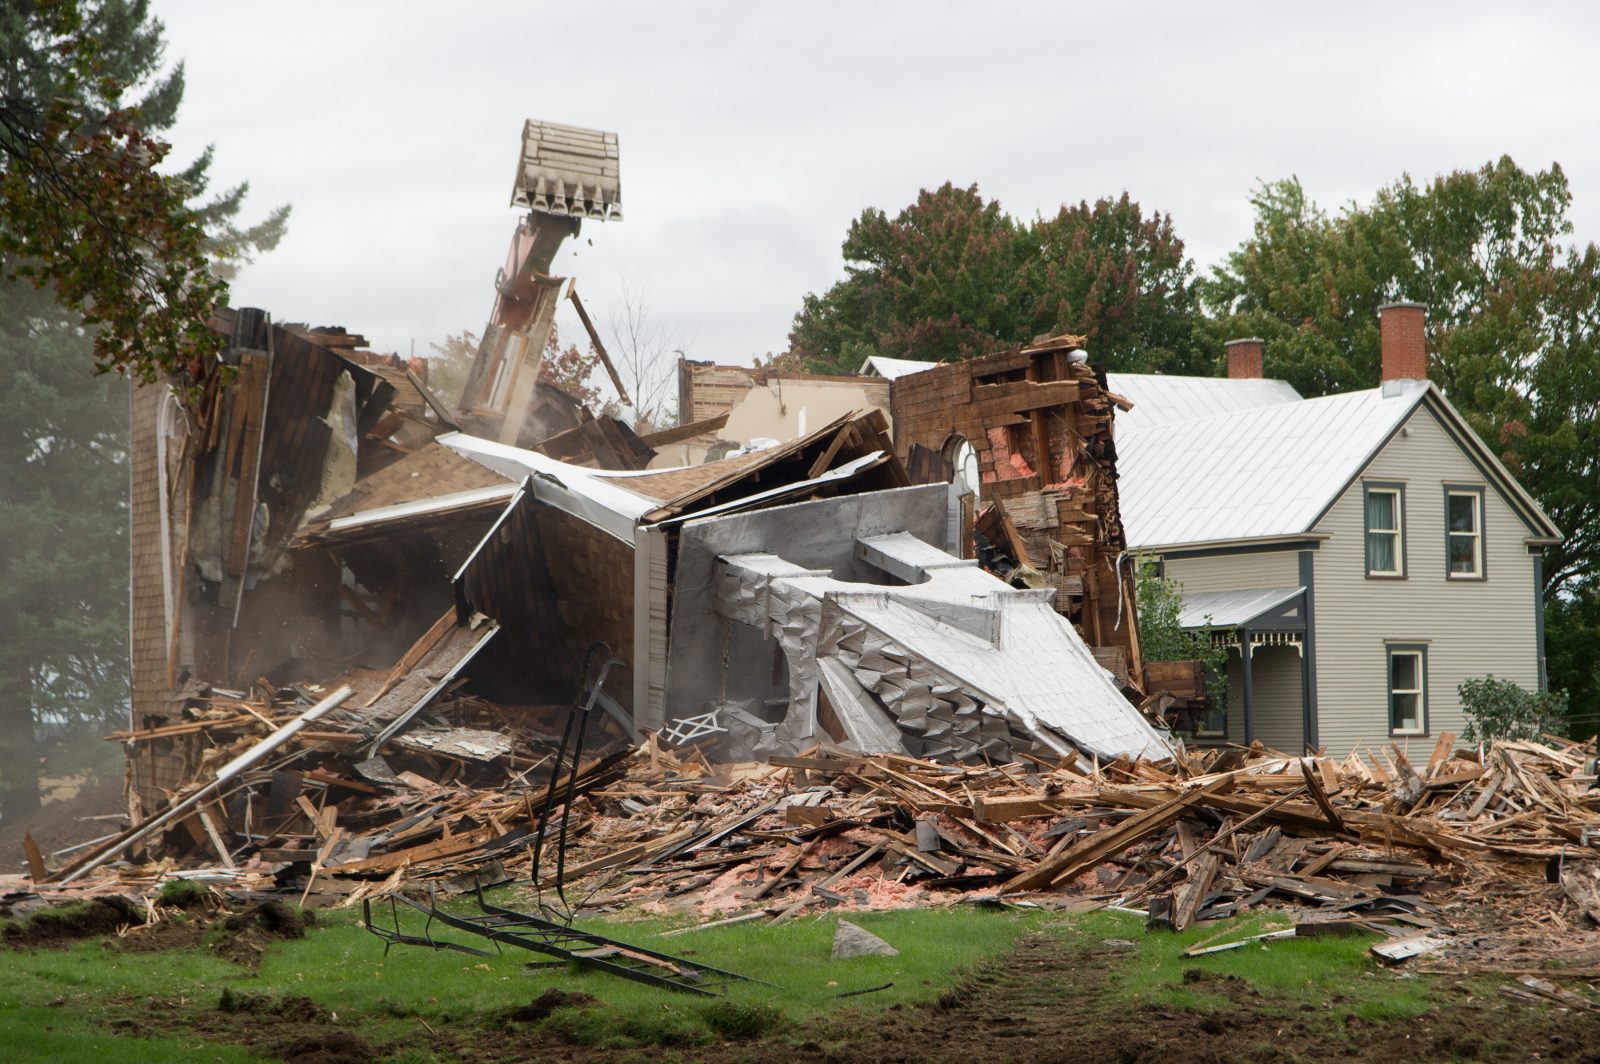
[1476, 535]
[1421, 690]
[1398, 532]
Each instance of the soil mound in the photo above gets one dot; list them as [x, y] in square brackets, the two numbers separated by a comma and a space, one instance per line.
[330, 1047]
[56, 927]
[248, 933]
[548, 1002]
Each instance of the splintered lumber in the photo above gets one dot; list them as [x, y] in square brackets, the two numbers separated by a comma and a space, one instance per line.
[1191, 898]
[1080, 858]
[36, 869]
[1320, 796]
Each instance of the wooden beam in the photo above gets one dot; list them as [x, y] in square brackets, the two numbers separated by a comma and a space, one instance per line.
[684, 432]
[594, 338]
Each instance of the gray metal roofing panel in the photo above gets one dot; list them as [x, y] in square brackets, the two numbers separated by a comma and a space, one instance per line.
[1159, 399]
[1229, 609]
[1267, 471]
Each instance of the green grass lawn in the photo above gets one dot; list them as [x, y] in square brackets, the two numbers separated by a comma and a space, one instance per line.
[1332, 971]
[63, 1004]
[90, 1003]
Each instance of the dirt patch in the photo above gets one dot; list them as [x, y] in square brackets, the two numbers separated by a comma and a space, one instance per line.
[58, 927]
[296, 1008]
[160, 937]
[548, 1002]
[241, 937]
[1050, 1000]
[246, 935]
[330, 1047]
[291, 1028]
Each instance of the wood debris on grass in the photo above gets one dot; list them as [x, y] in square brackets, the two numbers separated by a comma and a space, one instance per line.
[1369, 842]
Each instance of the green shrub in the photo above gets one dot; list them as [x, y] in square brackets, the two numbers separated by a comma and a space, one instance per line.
[1500, 709]
[1163, 638]
[737, 1020]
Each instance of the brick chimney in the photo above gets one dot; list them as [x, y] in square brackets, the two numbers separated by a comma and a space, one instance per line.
[1244, 359]
[1402, 329]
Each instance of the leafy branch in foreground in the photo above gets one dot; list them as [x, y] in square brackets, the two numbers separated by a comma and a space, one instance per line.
[84, 207]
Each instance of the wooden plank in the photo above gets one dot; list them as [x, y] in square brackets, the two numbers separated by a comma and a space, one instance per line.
[594, 338]
[684, 432]
[1013, 807]
[1320, 796]
[1020, 396]
[1191, 897]
[36, 869]
[1086, 854]
[1441, 752]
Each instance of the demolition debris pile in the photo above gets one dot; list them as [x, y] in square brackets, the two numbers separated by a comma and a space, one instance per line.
[1352, 841]
[1375, 843]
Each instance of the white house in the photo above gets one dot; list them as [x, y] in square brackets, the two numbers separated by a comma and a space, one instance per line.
[1364, 553]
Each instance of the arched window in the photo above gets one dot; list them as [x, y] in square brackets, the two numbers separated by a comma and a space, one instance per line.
[963, 459]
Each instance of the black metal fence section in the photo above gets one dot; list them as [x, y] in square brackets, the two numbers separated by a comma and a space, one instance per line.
[525, 931]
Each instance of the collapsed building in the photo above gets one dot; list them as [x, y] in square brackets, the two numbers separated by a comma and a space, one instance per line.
[309, 517]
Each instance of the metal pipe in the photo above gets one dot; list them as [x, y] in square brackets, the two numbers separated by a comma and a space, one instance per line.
[233, 768]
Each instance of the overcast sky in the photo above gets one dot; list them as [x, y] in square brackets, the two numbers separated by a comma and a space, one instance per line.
[751, 134]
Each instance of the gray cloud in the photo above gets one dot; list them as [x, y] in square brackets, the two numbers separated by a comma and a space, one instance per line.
[752, 134]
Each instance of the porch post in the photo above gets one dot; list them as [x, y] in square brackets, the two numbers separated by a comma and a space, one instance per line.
[1249, 686]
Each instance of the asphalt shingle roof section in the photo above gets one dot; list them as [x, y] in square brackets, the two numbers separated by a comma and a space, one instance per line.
[1159, 399]
[1255, 473]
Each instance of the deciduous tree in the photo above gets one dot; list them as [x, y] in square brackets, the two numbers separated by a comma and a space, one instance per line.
[953, 276]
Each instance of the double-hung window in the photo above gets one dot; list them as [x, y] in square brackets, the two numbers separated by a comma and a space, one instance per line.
[1463, 535]
[1385, 515]
[1408, 690]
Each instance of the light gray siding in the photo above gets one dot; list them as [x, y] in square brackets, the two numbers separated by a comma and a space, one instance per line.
[1233, 572]
[1470, 627]
[1277, 709]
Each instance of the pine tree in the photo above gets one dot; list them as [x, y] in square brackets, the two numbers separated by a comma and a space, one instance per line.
[63, 426]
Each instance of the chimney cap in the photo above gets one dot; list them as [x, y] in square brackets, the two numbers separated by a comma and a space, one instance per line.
[1402, 303]
[1246, 340]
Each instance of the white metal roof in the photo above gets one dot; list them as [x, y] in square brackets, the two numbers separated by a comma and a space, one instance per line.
[438, 504]
[1252, 474]
[1159, 399]
[880, 366]
[584, 493]
[1229, 609]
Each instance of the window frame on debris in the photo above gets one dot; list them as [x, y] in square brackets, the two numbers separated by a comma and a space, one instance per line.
[1474, 493]
[1419, 692]
[1397, 491]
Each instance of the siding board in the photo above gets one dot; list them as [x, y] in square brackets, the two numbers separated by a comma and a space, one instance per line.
[1232, 572]
[1471, 627]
